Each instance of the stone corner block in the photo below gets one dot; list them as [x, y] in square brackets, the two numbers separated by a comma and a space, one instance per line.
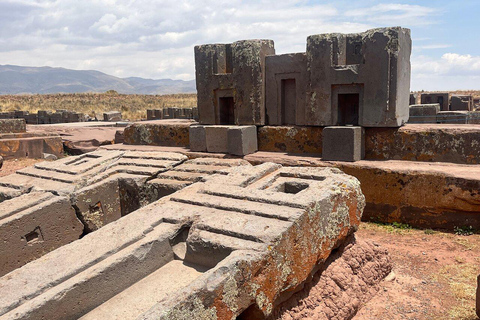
[343, 143]
[197, 138]
[242, 140]
[217, 138]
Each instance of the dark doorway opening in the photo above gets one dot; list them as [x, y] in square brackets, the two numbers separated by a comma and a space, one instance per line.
[289, 101]
[226, 108]
[440, 101]
[348, 109]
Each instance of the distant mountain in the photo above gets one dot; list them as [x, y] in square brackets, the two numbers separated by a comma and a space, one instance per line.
[17, 80]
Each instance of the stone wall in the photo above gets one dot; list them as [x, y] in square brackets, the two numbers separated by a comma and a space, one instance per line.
[12, 126]
[414, 142]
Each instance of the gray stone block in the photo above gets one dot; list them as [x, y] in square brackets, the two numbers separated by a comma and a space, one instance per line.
[242, 140]
[198, 139]
[217, 138]
[343, 143]
[424, 113]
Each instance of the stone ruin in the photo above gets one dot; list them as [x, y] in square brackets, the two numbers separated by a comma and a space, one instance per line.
[16, 142]
[133, 232]
[220, 239]
[172, 113]
[348, 81]
[45, 117]
[443, 107]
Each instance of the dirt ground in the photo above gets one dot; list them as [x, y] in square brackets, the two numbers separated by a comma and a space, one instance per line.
[10, 166]
[434, 274]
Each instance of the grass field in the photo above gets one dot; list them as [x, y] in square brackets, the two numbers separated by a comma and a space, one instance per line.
[132, 106]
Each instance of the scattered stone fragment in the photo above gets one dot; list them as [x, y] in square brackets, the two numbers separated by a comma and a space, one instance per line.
[349, 278]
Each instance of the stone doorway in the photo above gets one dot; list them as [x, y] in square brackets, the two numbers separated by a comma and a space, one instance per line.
[348, 109]
[227, 110]
[288, 101]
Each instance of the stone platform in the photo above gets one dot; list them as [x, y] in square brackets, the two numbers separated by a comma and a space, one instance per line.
[412, 142]
[54, 203]
[421, 194]
[235, 244]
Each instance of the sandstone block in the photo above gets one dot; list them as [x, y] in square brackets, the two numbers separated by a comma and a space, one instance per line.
[12, 126]
[343, 143]
[32, 225]
[164, 133]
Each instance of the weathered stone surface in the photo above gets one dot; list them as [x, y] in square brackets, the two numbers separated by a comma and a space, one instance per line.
[198, 139]
[453, 117]
[343, 143]
[112, 116]
[423, 195]
[33, 224]
[80, 138]
[242, 140]
[159, 133]
[349, 278]
[438, 143]
[187, 173]
[358, 79]
[373, 65]
[285, 89]
[217, 138]
[30, 145]
[442, 98]
[99, 188]
[242, 232]
[461, 102]
[230, 82]
[12, 126]
[424, 113]
[290, 139]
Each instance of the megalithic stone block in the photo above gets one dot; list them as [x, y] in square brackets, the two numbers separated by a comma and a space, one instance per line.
[343, 143]
[242, 140]
[198, 139]
[33, 224]
[238, 243]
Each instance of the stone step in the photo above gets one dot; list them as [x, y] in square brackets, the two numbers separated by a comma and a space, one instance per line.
[201, 168]
[265, 210]
[181, 175]
[144, 294]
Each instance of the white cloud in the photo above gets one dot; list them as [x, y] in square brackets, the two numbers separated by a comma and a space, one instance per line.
[155, 38]
[450, 72]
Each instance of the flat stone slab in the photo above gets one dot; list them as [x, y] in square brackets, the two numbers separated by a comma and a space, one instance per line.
[12, 125]
[242, 240]
[54, 203]
[32, 224]
[158, 133]
[30, 145]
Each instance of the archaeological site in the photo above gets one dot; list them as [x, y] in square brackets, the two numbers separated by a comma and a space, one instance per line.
[251, 205]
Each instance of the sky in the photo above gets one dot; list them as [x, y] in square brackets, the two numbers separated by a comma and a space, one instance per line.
[155, 38]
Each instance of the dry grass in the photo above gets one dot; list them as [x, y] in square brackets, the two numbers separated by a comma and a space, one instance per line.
[132, 106]
[459, 277]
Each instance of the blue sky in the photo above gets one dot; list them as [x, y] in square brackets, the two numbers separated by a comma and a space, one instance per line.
[155, 38]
